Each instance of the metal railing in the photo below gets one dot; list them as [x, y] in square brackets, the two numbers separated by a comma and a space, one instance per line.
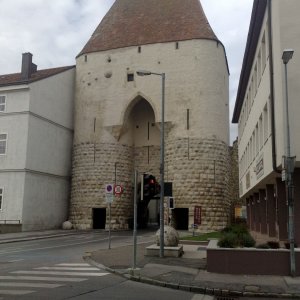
[13, 222]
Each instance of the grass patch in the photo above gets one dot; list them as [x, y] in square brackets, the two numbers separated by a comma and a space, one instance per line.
[203, 237]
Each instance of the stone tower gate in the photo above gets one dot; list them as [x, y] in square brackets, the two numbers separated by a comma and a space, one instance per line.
[117, 114]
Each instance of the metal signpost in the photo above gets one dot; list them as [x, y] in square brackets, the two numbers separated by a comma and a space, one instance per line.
[135, 219]
[109, 196]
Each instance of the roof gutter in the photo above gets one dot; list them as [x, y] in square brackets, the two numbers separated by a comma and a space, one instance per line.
[272, 89]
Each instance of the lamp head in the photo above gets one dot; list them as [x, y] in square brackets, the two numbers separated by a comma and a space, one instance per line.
[143, 73]
[287, 55]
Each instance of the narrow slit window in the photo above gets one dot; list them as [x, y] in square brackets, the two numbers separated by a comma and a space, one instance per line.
[139, 49]
[1, 198]
[85, 58]
[176, 45]
[187, 119]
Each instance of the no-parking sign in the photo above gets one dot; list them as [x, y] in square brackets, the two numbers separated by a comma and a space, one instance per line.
[118, 189]
[109, 188]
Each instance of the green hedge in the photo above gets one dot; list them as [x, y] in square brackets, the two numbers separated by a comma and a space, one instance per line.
[235, 236]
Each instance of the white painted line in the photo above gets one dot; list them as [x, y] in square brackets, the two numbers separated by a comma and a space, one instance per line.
[60, 273]
[12, 292]
[54, 247]
[30, 285]
[68, 268]
[15, 260]
[74, 265]
[39, 278]
[203, 297]
[5, 249]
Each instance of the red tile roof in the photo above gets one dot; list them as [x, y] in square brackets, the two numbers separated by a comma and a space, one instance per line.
[13, 79]
[141, 22]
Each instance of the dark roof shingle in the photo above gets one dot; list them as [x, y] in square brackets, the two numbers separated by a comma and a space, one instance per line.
[141, 22]
[14, 79]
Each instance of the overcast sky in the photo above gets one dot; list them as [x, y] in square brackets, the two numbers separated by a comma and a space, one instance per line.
[55, 31]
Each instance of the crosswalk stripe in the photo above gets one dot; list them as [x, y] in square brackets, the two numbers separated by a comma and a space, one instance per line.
[30, 285]
[40, 278]
[68, 268]
[13, 292]
[61, 273]
[73, 265]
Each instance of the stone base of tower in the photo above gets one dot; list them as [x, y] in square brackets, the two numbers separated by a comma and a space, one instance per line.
[95, 166]
[199, 170]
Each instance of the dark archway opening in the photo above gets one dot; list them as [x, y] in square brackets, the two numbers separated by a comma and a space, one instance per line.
[181, 218]
[99, 218]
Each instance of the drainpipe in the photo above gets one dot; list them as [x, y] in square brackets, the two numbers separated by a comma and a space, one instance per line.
[274, 155]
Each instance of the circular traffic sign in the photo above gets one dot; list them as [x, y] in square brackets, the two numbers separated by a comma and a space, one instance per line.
[109, 188]
[118, 189]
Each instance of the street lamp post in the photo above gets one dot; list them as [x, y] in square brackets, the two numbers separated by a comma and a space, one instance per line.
[162, 157]
[289, 165]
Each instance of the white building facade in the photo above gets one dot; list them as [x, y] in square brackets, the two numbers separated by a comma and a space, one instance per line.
[260, 113]
[36, 133]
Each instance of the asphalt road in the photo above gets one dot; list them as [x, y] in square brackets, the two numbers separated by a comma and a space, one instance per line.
[53, 269]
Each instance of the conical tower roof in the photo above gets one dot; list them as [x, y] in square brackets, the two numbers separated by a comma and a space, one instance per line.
[141, 22]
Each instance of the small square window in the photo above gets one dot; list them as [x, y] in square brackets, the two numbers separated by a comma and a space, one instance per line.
[130, 77]
[2, 103]
[3, 141]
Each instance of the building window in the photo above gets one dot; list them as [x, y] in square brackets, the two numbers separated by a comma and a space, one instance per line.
[255, 80]
[256, 139]
[1, 198]
[3, 141]
[266, 122]
[263, 52]
[253, 145]
[259, 69]
[261, 135]
[130, 77]
[2, 103]
[139, 49]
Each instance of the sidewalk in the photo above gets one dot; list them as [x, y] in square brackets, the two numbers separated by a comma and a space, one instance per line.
[189, 273]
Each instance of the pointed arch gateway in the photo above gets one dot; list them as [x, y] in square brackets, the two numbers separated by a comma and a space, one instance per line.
[143, 132]
[140, 122]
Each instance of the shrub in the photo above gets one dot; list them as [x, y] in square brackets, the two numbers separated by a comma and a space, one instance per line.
[236, 235]
[246, 240]
[236, 228]
[228, 240]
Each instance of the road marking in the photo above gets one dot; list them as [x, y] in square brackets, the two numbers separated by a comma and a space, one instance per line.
[60, 273]
[68, 268]
[11, 292]
[74, 265]
[54, 247]
[7, 249]
[203, 297]
[39, 278]
[30, 285]
[15, 260]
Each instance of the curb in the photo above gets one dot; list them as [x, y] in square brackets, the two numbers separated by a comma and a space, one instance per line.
[189, 288]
